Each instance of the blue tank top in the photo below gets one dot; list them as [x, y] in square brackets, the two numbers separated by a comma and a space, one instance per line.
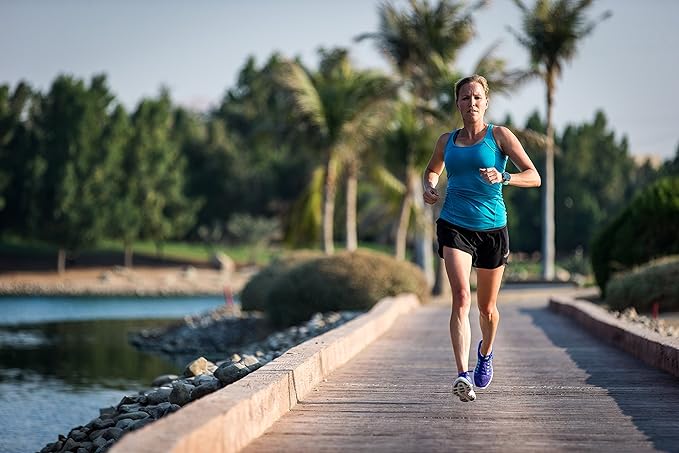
[471, 202]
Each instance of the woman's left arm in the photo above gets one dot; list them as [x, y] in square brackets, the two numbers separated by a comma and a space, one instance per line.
[528, 176]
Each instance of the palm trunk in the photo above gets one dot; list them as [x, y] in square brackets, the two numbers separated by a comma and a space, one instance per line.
[403, 223]
[548, 241]
[61, 261]
[424, 237]
[329, 206]
[352, 195]
[128, 254]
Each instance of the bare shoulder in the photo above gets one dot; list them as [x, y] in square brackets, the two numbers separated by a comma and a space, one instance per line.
[506, 139]
[443, 138]
[442, 141]
[503, 133]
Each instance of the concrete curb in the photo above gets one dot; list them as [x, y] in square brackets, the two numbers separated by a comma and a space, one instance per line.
[657, 350]
[229, 419]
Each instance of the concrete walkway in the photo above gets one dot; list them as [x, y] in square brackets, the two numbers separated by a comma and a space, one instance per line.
[556, 388]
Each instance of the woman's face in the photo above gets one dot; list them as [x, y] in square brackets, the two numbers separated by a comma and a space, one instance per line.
[472, 101]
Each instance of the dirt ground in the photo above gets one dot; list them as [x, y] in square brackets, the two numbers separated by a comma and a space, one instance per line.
[117, 280]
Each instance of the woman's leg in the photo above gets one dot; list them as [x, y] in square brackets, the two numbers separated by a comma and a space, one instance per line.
[458, 268]
[488, 286]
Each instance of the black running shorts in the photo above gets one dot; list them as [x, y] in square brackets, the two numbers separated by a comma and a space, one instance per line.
[489, 249]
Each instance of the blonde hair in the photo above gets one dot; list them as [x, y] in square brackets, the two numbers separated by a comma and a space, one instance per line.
[472, 78]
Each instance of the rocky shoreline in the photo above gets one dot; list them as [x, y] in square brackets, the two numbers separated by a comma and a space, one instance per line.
[630, 315]
[201, 376]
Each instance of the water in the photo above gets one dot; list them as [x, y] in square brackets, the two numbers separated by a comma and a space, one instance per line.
[62, 359]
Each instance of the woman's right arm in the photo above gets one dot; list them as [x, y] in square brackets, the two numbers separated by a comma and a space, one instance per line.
[434, 168]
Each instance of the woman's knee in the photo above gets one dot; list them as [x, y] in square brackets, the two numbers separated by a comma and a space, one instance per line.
[488, 310]
[462, 299]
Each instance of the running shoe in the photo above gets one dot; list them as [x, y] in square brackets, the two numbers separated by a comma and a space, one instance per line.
[483, 373]
[463, 388]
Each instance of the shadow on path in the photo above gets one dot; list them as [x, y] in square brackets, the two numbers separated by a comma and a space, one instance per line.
[648, 396]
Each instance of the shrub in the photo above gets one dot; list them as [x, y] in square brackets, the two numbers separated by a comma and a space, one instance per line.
[645, 230]
[344, 281]
[255, 294]
[656, 281]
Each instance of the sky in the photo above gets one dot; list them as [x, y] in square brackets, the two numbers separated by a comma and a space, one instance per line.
[627, 67]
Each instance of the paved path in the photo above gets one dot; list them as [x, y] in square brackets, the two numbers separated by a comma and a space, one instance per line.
[556, 388]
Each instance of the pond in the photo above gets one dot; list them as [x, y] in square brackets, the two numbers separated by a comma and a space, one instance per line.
[62, 359]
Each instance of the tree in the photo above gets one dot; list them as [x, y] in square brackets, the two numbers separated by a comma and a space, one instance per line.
[263, 144]
[588, 193]
[153, 185]
[18, 152]
[407, 146]
[69, 206]
[551, 31]
[336, 101]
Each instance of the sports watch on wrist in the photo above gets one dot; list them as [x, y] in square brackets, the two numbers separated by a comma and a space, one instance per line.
[506, 177]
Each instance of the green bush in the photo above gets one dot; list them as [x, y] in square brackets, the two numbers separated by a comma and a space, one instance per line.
[645, 230]
[657, 281]
[344, 281]
[255, 294]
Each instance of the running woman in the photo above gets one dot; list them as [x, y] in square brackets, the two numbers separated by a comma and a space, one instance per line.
[472, 226]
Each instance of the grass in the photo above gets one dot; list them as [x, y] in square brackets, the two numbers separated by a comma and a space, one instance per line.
[180, 251]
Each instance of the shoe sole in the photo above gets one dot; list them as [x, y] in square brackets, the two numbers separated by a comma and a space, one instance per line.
[463, 390]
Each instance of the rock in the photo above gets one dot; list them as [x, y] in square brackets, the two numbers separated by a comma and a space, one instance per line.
[205, 379]
[77, 435]
[70, 445]
[99, 442]
[133, 399]
[112, 433]
[54, 446]
[205, 389]
[125, 423]
[164, 379]
[251, 362]
[181, 393]
[132, 416]
[141, 423]
[161, 395]
[107, 412]
[230, 373]
[125, 408]
[105, 447]
[199, 366]
[158, 411]
[101, 424]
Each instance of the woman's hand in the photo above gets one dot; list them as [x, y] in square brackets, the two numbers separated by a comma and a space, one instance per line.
[491, 175]
[431, 195]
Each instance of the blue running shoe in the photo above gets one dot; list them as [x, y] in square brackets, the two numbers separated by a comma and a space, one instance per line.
[483, 373]
[463, 388]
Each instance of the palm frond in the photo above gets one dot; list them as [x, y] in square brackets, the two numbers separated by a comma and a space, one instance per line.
[294, 78]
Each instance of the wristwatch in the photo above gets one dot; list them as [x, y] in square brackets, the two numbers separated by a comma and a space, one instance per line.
[506, 177]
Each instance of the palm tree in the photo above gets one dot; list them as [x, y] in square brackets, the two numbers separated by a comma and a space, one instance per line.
[551, 31]
[419, 43]
[407, 146]
[341, 106]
